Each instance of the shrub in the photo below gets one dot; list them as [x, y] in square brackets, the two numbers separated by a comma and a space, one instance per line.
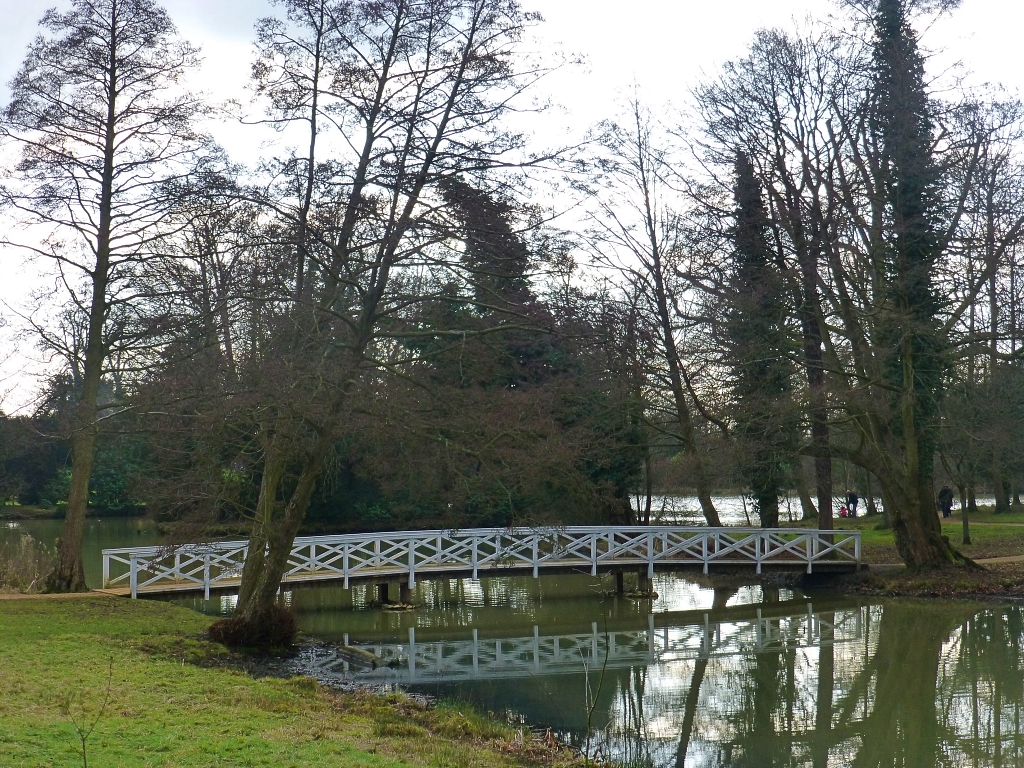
[24, 564]
[275, 628]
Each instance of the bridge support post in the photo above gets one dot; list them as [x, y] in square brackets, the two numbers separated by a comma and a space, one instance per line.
[620, 583]
[206, 577]
[643, 581]
[134, 577]
[405, 592]
[382, 593]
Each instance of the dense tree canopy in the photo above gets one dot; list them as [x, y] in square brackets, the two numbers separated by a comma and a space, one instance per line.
[378, 326]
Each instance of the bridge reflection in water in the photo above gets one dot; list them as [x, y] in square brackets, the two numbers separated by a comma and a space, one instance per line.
[668, 637]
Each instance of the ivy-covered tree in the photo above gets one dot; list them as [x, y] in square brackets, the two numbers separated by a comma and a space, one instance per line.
[909, 330]
[758, 351]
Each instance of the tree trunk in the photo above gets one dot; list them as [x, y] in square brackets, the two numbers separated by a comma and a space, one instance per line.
[963, 513]
[687, 430]
[1007, 492]
[818, 394]
[768, 510]
[270, 546]
[910, 508]
[256, 571]
[999, 487]
[648, 488]
[69, 573]
[806, 504]
[872, 509]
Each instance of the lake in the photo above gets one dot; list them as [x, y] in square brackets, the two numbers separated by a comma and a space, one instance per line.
[746, 676]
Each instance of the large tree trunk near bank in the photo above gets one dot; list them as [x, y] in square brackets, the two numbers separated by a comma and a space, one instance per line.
[907, 499]
[272, 539]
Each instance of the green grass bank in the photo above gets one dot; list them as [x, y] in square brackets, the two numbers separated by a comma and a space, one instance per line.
[997, 544]
[177, 700]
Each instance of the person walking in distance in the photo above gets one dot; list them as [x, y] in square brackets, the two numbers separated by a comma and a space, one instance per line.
[946, 501]
[852, 500]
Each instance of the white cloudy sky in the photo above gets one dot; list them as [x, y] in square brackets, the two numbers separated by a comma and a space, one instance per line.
[665, 46]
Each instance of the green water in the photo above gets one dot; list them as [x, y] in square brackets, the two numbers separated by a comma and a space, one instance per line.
[701, 677]
[709, 678]
[100, 534]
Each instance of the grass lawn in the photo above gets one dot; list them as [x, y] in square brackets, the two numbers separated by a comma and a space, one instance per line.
[995, 536]
[171, 703]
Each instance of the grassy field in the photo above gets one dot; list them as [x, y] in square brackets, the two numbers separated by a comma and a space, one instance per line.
[991, 535]
[174, 700]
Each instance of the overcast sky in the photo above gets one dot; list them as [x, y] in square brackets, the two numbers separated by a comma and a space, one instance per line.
[665, 46]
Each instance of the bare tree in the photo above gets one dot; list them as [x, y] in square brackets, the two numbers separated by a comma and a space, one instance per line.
[635, 232]
[394, 96]
[102, 129]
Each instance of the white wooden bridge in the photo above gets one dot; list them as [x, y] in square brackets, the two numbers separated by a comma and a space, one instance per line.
[474, 657]
[410, 555]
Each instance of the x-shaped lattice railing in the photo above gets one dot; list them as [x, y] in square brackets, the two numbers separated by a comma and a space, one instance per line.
[413, 554]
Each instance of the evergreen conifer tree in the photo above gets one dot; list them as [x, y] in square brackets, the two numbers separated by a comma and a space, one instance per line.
[758, 345]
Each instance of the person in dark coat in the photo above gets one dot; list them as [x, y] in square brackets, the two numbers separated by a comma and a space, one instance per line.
[946, 501]
[852, 500]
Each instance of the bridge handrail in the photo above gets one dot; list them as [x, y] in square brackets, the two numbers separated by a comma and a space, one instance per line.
[402, 553]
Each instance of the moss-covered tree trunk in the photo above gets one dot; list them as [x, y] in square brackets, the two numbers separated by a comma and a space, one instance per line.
[912, 344]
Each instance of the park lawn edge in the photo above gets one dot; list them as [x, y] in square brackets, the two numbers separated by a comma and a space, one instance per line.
[178, 700]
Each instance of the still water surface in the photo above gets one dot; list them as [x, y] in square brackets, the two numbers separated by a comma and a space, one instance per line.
[749, 676]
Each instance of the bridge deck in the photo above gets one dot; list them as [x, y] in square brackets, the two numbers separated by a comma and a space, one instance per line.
[412, 555]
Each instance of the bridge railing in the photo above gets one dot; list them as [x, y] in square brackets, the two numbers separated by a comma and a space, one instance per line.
[410, 554]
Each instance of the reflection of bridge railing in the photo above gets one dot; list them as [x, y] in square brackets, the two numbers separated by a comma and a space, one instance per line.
[501, 658]
[417, 554]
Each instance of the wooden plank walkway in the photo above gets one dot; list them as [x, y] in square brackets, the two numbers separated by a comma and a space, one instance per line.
[411, 555]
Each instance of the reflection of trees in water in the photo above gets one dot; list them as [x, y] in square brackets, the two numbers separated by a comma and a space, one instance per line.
[983, 692]
[927, 684]
[921, 684]
[902, 727]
